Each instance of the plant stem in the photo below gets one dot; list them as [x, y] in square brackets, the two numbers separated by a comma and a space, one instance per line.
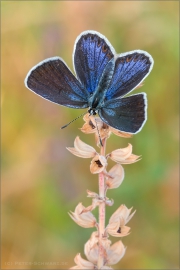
[101, 211]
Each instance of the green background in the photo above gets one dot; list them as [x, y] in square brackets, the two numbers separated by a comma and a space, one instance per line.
[41, 180]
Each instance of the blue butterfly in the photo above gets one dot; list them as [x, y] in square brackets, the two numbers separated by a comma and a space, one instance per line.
[103, 79]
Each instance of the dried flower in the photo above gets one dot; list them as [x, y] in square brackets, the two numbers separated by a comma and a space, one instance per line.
[84, 150]
[83, 217]
[92, 194]
[112, 253]
[124, 155]
[118, 220]
[91, 248]
[81, 263]
[98, 164]
[115, 253]
[98, 249]
[115, 176]
[91, 124]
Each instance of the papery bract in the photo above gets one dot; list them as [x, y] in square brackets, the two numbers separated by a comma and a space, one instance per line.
[91, 248]
[83, 218]
[81, 263]
[116, 176]
[121, 154]
[115, 253]
[82, 149]
[118, 220]
[122, 212]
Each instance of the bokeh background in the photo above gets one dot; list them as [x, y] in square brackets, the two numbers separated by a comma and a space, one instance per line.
[41, 180]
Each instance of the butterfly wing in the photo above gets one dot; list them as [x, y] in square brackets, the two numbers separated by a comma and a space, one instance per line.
[130, 69]
[127, 114]
[92, 52]
[52, 80]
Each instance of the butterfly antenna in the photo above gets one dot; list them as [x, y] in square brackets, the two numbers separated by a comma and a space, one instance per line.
[98, 132]
[73, 120]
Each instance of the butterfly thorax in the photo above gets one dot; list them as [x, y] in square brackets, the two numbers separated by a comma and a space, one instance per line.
[97, 99]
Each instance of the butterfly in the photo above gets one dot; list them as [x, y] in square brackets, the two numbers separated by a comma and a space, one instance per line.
[103, 79]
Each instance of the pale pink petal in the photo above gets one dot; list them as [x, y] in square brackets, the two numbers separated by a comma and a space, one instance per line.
[78, 153]
[116, 176]
[83, 263]
[118, 213]
[81, 146]
[121, 212]
[92, 194]
[115, 253]
[82, 149]
[91, 250]
[90, 125]
[121, 154]
[131, 159]
[130, 216]
[83, 218]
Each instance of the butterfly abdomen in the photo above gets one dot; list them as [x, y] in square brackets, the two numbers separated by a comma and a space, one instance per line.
[104, 82]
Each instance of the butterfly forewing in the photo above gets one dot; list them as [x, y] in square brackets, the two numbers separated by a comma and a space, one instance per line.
[52, 80]
[92, 52]
[130, 69]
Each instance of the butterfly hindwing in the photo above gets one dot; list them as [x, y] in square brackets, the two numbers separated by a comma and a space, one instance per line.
[126, 114]
[92, 52]
[130, 69]
[52, 80]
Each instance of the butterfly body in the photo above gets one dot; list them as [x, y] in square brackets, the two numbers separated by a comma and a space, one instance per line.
[103, 79]
[96, 101]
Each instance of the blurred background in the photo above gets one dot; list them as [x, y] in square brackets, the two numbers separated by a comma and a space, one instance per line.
[41, 180]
